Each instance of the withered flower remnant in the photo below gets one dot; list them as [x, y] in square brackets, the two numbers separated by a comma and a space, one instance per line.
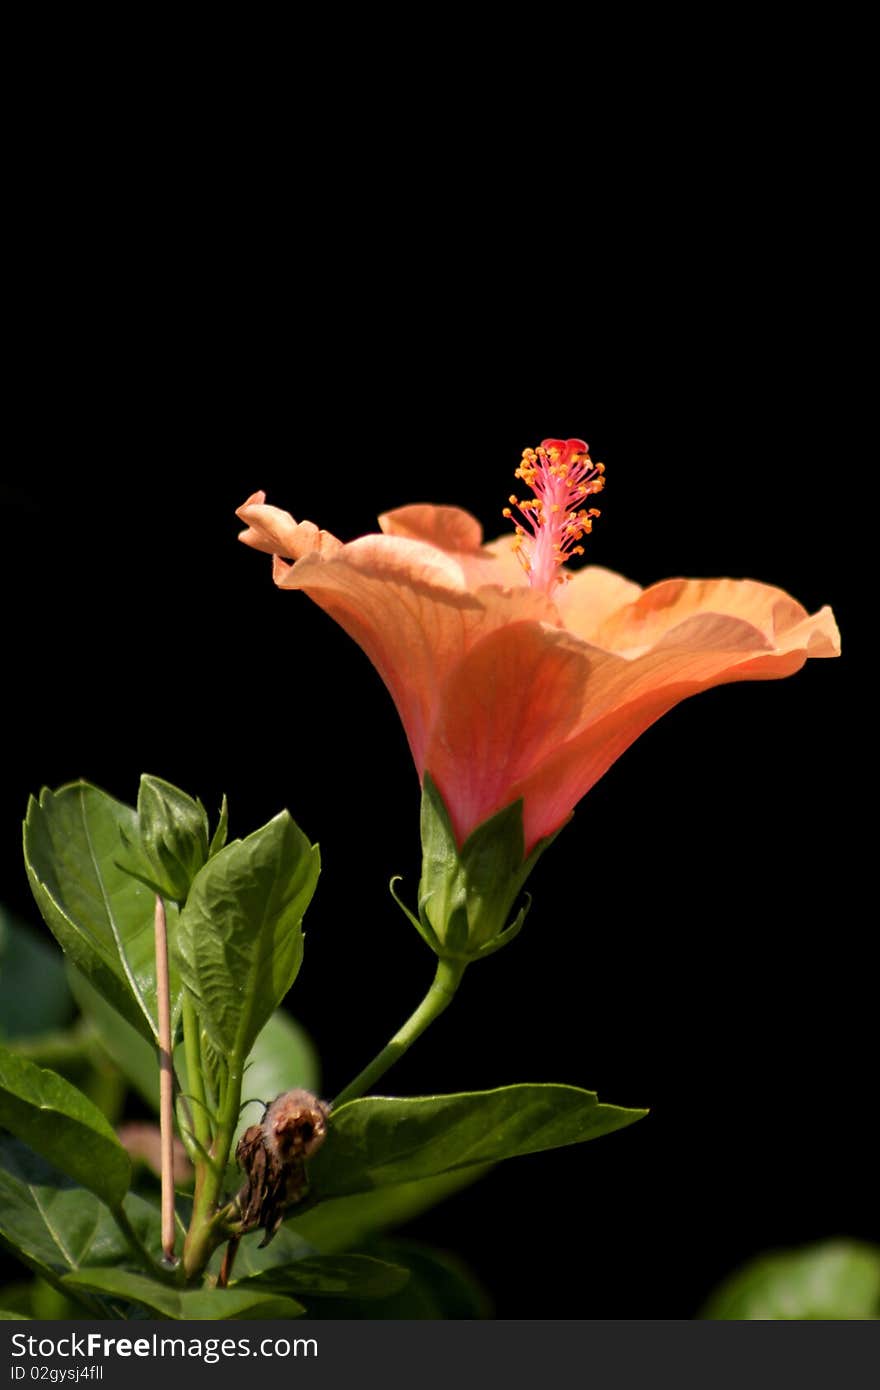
[273, 1154]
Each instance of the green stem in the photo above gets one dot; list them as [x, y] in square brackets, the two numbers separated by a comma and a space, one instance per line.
[207, 1228]
[438, 998]
[194, 1080]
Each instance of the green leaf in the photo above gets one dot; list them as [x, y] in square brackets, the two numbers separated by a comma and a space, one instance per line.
[240, 934]
[345, 1222]
[59, 1122]
[330, 1276]
[34, 997]
[836, 1280]
[54, 1226]
[252, 1258]
[101, 916]
[380, 1140]
[185, 1303]
[218, 840]
[439, 1286]
[9, 1317]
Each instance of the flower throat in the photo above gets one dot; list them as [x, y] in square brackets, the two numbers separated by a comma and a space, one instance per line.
[562, 476]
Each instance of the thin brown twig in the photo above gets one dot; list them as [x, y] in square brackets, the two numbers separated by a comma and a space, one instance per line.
[166, 1082]
[228, 1260]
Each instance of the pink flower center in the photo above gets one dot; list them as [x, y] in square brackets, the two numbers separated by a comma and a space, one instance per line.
[562, 476]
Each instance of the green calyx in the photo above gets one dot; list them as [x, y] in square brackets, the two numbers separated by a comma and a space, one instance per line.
[467, 895]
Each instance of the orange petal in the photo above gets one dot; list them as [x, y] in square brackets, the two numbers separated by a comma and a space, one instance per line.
[449, 528]
[513, 698]
[460, 534]
[409, 606]
[641, 624]
[275, 532]
[589, 596]
[624, 697]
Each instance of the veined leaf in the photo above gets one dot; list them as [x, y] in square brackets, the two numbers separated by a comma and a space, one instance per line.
[184, 1303]
[59, 1122]
[381, 1139]
[56, 1226]
[439, 1287]
[100, 915]
[240, 934]
[330, 1276]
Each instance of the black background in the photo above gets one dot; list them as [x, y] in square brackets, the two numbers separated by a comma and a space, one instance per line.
[698, 941]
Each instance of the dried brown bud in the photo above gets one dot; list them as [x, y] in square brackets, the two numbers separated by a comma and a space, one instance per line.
[272, 1155]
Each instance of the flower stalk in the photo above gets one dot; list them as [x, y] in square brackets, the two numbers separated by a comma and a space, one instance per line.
[439, 997]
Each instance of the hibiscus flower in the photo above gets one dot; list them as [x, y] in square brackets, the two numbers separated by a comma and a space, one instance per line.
[513, 676]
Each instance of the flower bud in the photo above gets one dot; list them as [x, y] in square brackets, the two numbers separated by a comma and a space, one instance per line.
[173, 839]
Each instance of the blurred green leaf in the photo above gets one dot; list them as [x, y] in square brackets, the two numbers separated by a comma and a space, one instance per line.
[59, 1122]
[34, 997]
[9, 1317]
[439, 1286]
[136, 1058]
[837, 1280]
[285, 1247]
[54, 1226]
[185, 1303]
[330, 1276]
[240, 934]
[383, 1139]
[101, 916]
[343, 1223]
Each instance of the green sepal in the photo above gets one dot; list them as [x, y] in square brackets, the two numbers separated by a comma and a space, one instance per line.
[509, 932]
[423, 928]
[466, 896]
